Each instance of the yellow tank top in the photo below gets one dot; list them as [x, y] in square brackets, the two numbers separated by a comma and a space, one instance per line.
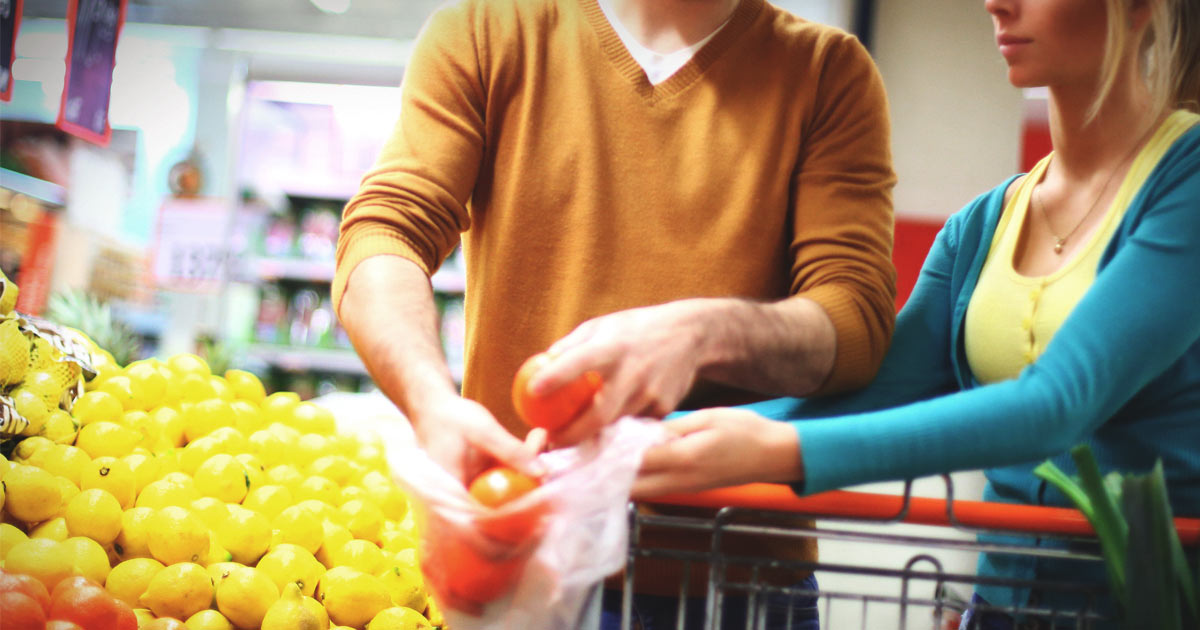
[1011, 317]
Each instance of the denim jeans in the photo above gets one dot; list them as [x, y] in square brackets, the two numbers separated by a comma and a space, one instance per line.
[654, 612]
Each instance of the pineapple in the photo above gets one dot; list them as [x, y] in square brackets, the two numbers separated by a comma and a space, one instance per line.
[78, 310]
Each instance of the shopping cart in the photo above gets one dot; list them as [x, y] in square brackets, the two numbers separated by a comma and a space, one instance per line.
[913, 566]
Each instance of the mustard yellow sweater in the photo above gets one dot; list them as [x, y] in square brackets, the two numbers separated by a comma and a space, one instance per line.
[761, 170]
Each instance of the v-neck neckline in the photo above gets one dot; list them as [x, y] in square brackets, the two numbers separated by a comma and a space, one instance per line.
[628, 67]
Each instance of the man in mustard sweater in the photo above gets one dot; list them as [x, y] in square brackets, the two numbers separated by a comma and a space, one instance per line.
[691, 197]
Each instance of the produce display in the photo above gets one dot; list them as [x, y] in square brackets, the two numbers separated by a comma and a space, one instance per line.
[159, 495]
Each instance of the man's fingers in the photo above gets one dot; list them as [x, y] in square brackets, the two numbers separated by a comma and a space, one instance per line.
[564, 367]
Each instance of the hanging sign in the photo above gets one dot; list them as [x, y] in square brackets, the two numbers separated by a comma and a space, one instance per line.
[92, 30]
[10, 23]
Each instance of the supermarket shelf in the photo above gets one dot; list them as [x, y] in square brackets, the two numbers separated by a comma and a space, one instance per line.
[283, 268]
[295, 358]
[33, 187]
[299, 359]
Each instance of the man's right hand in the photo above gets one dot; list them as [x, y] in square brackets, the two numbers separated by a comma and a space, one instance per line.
[462, 436]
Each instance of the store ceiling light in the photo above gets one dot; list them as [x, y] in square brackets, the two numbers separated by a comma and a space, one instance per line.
[336, 7]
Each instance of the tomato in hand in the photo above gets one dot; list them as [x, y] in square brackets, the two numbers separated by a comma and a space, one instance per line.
[496, 486]
[558, 408]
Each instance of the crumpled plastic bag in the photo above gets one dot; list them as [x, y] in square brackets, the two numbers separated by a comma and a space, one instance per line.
[530, 564]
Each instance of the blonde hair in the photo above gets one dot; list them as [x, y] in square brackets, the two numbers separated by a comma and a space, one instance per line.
[1170, 55]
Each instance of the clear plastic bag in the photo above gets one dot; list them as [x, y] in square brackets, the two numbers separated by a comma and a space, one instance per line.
[530, 564]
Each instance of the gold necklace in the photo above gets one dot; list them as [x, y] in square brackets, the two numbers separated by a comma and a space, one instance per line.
[1060, 241]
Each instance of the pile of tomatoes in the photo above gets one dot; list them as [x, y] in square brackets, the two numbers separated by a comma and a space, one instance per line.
[74, 603]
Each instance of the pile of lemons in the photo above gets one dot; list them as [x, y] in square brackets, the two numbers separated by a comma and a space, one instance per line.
[197, 497]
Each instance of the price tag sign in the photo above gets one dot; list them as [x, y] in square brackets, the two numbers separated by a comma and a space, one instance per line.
[10, 23]
[92, 30]
[191, 250]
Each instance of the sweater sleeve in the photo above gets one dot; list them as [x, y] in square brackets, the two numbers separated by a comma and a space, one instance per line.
[842, 229]
[412, 203]
[1123, 333]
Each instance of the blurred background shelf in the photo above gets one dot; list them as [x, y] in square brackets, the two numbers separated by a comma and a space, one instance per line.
[269, 268]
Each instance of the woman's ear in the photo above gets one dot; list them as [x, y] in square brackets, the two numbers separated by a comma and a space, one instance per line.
[1140, 12]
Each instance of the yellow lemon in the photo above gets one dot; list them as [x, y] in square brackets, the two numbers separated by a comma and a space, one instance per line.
[272, 447]
[129, 579]
[268, 500]
[47, 560]
[177, 535]
[372, 456]
[146, 427]
[311, 446]
[231, 441]
[179, 590]
[362, 518]
[122, 389]
[144, 616]
[205, 416]
[149, 386]
[134, 539]
[333, 537]
[363, 555]
[297, 526]
[94, 513]
[351, 493]
[247, 417]
[112, 475]
[31, 494]
[45, 385]
[245, 386]
[162, 493]
[351, 597]
[215, 554]
[399, 618]
[208, 620]
[184, 364]
[397, 540]
[97, 406]
[88, 557]
[221, 388]
[245, 596]
[67, 490]
[406, 586]
[100, 439]
[145, 468]
[310, 417]
[26, 449]
[170, 425]
[284, 475]
[223, 477]
[64, 460]
[194, 388]
[218, 571]
[291, 564]
[211, 510]
[246, 534]
[54, 529]
[278, 407]
[318, 488]
[30, 405]
[389, 498]
[295, 611]
[60, 427]
[10, 535]
[332, 467]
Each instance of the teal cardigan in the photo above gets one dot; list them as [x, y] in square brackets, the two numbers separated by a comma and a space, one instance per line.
[1122, 373]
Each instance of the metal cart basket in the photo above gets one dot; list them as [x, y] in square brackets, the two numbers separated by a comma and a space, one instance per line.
[903, 572]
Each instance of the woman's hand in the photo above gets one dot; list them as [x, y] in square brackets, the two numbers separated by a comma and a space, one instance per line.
[713, 448]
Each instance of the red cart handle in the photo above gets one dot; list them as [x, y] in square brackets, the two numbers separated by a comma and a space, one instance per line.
[920, 510]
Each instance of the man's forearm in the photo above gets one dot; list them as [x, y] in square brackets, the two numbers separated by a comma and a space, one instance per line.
[389, 313]
[780, 348]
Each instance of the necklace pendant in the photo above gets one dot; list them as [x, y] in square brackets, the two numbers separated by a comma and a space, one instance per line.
[1058, 245]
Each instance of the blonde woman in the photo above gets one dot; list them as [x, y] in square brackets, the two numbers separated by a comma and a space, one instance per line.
[1061, 307]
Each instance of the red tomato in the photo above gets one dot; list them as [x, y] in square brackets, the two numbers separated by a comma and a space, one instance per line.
[62, 624]
[31, 586]
[460, 574]
[558, 408]
[496, 486]
[84, 602]
[19, 611]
